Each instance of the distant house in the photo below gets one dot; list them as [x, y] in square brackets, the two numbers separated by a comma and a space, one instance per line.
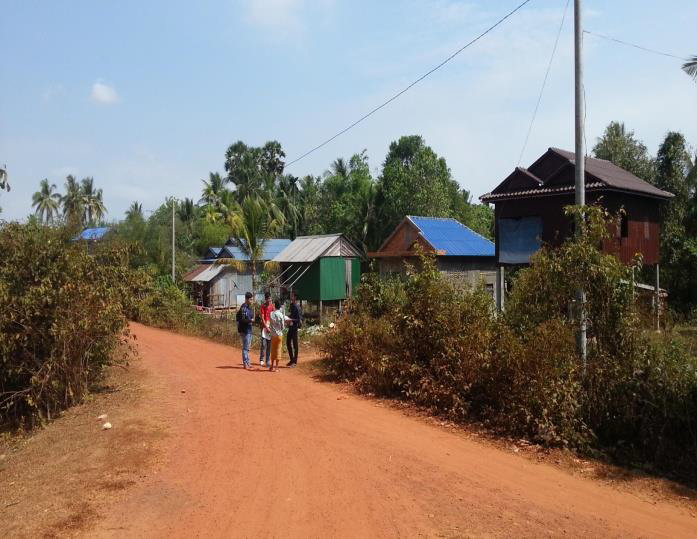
[320, 268]
[93, 234]
[529, 207]
[217, 285]
[460, 252]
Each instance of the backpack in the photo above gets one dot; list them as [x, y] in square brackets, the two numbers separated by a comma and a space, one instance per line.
[239, 314]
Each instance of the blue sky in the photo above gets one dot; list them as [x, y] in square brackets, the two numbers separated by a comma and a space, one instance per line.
[146, 96]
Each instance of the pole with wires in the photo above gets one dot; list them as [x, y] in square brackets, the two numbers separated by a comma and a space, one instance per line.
[580, 168]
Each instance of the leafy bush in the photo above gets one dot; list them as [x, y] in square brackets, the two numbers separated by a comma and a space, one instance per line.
[424, 339]
[63, 319]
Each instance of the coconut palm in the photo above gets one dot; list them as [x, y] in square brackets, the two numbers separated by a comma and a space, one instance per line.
[288, 201]
[46, 202]
[690, 67]
[252, 224]
[212, 189]
[72, 200]
[135, 211]
[92, 203]
[186, 210]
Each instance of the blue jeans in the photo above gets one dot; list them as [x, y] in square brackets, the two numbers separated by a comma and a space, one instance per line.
[265, 351]
[246, 344]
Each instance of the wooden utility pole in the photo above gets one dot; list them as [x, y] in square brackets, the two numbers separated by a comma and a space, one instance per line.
[580, 166]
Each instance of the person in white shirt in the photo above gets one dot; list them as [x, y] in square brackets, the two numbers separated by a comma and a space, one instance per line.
[278, 323]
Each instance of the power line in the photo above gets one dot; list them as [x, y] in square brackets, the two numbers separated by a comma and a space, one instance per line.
[422, 77]
[646, 49]
[544, 82]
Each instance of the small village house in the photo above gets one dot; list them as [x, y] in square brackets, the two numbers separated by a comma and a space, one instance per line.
[323, 269]
[461, 253]
[529, 208]
[217, 285]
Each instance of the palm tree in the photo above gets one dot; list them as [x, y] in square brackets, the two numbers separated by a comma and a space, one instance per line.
[92, 203]
[226, 203]
[289, 202]
[135, 212]
[690, 67]
[46, 201]
[72, 200]
[186, 210]
[252, 224]
[212, 189]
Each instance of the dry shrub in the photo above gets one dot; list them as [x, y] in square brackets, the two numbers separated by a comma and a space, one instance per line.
[63, 318]
[422, 338]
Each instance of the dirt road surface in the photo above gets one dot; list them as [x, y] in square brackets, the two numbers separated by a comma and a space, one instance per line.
[260, 454]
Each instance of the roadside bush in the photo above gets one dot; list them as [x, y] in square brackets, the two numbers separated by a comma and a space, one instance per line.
[424, 339]
[62, 319]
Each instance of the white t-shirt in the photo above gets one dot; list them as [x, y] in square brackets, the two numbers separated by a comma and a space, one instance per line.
[278, 322]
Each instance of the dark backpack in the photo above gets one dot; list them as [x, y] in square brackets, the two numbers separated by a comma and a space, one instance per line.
[239, 315]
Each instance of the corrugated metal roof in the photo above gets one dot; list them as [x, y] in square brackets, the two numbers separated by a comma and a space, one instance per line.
[189, 275]
[272, 248]
[310, 248]
[451, 236]
[93, 233]
[207, 272]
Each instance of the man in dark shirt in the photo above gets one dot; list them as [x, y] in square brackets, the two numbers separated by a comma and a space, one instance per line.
[245, 322]
[296, 316]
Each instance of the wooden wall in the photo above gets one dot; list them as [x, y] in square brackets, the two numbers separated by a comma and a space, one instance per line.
[642, 215]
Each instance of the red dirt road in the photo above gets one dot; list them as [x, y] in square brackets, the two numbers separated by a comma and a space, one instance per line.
[259, 454]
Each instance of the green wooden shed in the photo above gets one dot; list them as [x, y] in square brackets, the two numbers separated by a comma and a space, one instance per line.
[320, 268]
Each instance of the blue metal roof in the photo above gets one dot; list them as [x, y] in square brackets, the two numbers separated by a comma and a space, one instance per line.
[93, 233]
[272, 247]
[451, 236]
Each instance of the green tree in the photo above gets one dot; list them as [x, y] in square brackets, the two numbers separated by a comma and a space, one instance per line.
[414, 181]
[72, 201]
[92, 203]
[135, 212]
[212, 189]
[310, 219]
[253, 170]
[674, 172]
[348, 199]
[622, 148]
[252, 224]
[46, 202]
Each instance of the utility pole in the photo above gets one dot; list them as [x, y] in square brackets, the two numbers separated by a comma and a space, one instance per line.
[580, 167]
[173, 203]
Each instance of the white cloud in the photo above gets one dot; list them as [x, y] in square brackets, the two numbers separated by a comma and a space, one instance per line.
[104, 94]
[282, 17]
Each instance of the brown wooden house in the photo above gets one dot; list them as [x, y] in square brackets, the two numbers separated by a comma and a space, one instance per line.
[529, 208]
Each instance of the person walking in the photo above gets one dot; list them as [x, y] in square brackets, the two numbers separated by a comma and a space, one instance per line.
[265, 349]
[245, 321]
[277, 324]
[296, 321]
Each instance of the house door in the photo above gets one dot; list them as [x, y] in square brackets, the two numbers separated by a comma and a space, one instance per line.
[349, 277]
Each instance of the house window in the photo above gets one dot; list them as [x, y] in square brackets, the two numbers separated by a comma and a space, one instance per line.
[624, 226]
[646, 228]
